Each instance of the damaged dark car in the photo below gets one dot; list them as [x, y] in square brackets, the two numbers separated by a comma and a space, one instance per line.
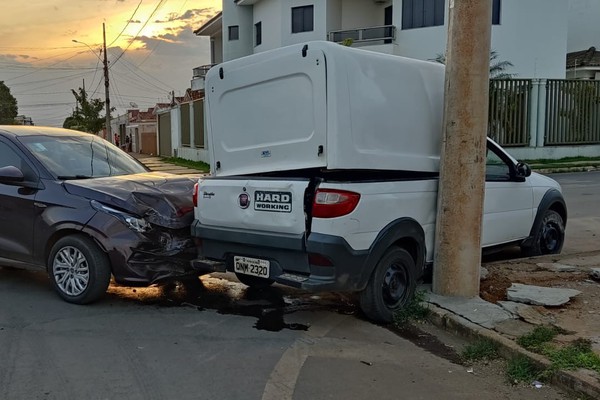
[80, 208]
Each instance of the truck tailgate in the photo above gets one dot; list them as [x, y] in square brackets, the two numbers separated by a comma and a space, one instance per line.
[268, 205]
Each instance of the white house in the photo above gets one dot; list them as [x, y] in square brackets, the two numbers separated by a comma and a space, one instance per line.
[532, 34]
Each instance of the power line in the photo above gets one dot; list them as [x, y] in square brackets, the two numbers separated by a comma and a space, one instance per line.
[38, 70]
[160, 3]
[168, 87]
[126, 25]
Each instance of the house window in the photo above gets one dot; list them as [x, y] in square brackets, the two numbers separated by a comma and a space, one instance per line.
[258, 34]
[496, 12]
[302, 19]
[234, 32]
[422, 13]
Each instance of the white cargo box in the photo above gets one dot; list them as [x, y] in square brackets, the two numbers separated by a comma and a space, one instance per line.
[324, 105]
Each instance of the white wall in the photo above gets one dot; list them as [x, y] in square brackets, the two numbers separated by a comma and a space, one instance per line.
[175, 127]
[241, 16]
[532, 35]
[268, 12]
[362, 14]
[319, 21]
[584, 25]
[334, 15]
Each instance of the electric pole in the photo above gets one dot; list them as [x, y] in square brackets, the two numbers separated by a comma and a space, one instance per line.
[457, 256]
[107, 104]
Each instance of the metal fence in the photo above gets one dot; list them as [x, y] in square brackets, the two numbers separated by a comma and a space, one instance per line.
[509, 112]
[387, 33]
[572, 112]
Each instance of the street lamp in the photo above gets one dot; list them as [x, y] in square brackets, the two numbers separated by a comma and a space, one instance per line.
[105, 62]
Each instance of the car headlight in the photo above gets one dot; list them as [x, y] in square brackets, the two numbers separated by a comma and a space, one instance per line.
[132, 222]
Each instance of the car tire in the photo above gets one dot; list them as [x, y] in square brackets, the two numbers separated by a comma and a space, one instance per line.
[391, 287]
[254, 281]
[79, 269]
[549, 237]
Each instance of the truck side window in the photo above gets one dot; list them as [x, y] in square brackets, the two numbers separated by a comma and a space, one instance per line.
[495, 167]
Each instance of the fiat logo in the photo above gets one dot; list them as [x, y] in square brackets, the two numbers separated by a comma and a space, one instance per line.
[244, 200]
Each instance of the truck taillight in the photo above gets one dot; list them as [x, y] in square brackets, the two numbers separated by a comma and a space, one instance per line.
[195, 195]
[331, 203]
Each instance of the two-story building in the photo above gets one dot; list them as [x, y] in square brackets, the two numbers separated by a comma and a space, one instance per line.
[531, 34]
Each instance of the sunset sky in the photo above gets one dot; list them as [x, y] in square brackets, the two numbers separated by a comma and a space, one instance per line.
[151, 51]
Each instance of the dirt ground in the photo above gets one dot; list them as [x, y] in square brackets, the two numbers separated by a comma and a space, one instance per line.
[580, 317]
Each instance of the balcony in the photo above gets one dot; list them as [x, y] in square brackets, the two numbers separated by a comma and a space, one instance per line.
[365, 36]
[200, 72]
[198, 75]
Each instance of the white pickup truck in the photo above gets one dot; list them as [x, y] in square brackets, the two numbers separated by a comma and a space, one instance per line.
[325, 165]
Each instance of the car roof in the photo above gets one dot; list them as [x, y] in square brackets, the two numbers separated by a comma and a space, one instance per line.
[21, 130]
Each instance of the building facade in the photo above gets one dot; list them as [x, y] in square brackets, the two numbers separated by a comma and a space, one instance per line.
[531, 34]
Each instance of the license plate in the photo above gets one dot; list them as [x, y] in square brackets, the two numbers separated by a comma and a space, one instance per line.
[251, 266]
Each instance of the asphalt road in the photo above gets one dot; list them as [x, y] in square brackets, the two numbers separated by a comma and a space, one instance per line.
[218, 340]
[581, 191]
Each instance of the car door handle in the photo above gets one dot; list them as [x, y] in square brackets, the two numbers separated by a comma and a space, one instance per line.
[39, 205]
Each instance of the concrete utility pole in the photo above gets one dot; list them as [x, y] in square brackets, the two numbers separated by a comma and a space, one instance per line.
[462, 166]
[107, 104]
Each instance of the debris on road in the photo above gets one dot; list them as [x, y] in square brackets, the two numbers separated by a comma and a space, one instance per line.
[539, 295]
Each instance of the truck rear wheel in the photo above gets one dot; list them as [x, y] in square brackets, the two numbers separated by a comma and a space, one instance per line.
[391, 286]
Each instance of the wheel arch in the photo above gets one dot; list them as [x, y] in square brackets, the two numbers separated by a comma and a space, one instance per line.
[406, 233]
[64, 232]
[552, 200]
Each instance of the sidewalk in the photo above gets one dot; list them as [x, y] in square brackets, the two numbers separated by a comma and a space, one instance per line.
[492, 316]
[158, 165]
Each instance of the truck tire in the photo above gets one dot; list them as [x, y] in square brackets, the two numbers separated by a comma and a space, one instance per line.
[79, 270]
[391, 286]
[549, 237]
[254, 281]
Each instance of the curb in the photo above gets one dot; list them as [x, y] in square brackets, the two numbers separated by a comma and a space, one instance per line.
[556, 170]
[570, 381]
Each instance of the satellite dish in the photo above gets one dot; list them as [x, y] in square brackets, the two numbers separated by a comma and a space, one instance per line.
[133, 105]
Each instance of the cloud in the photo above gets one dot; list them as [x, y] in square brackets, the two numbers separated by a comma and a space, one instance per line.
[189, 15]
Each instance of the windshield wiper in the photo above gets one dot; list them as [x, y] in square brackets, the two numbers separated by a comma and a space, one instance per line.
[67, 177]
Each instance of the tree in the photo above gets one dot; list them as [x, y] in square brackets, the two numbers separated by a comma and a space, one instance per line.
[497, 68]
[86, 116]
[8, 106]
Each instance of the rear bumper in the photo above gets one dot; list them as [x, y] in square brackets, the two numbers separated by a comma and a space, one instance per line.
[288, 256]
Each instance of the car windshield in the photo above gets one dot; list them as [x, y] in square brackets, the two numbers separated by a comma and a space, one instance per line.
[80, 157]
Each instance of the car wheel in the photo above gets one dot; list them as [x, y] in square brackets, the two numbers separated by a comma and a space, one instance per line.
[550, 236]
[254, 281]
[79, 270]
[391, 286]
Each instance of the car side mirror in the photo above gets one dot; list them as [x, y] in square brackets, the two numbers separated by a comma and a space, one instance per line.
[11, 174]
[523, 170]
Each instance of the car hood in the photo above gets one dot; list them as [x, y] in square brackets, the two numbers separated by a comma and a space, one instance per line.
[162, 199]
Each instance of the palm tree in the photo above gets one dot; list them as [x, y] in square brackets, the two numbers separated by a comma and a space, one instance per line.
[497, 68]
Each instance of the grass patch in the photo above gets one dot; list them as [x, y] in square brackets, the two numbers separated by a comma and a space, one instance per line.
[199, 165]
[482, 349]
[537, 339]
[562, 160]
[521, 369]
[578, 354]
[575, 355]
[413, 311]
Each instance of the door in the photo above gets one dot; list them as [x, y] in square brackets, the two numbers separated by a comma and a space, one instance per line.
[17, 209]
[508, 206]
[388, 20]
[269, 113]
